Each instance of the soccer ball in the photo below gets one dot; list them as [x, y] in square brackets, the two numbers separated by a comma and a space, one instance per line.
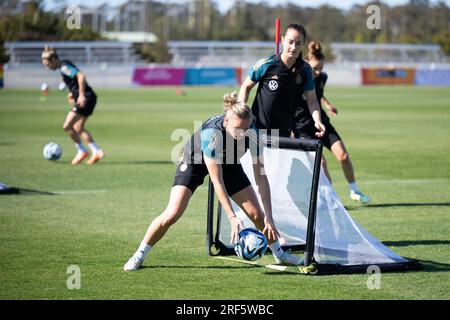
[52, 151]
[252, 244]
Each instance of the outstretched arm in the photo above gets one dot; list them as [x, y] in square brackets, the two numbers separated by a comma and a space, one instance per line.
[314, 109]
[245, 89]
[81, 85]
[264, 191]
[215, 173]
[331, 108]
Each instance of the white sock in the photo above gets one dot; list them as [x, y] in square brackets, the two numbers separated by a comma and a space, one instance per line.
[80, 147]
[94, 147]
[142, 251]
[276, 249]
[353, 187]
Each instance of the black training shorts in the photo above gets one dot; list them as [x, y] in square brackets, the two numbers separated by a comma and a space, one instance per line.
[330, 137]
[88, 109]
[193, 175]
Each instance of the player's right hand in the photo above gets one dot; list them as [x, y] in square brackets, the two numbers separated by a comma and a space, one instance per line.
[320, 126]
[70, 99]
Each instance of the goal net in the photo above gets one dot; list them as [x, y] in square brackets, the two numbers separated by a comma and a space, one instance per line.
[307, 212]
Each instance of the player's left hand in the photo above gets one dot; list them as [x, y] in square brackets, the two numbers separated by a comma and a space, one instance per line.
[81, 101]
[332, 109]
[270, 231]
[321, 128]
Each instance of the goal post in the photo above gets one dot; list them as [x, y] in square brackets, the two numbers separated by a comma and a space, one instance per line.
[215, 243]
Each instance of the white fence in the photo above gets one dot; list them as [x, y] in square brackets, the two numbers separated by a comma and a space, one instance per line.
[99, 76]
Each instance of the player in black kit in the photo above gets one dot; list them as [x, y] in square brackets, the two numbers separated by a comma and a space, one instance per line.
[282, 81]
[304, 123]
[215, 149]
[83, 100]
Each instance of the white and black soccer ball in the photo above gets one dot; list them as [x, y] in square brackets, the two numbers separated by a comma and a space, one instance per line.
[252, 244]
[52, 151]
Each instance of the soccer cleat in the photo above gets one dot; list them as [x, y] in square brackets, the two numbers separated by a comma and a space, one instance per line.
[289, 259]
[360, 197]
[96, 157]
[79, 157]
[133, 264]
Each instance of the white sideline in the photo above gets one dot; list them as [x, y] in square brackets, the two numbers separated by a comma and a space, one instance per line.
[80, 191]
[269, 266]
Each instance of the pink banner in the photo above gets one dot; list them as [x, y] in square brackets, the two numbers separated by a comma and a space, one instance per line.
[158, 76]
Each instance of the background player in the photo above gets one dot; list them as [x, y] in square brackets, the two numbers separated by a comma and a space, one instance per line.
[83, 100]
[304, 123]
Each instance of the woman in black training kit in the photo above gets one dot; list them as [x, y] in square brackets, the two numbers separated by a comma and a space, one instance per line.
[215, 149]
[304, 124]
[283, 80]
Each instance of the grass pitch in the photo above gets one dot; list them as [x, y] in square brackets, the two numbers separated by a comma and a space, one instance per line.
[398, 139]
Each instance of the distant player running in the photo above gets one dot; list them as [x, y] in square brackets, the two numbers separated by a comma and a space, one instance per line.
[304, 123]
[215, 150]
[83, 100]
[283, 79]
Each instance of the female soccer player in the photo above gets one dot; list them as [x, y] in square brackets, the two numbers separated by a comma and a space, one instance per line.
[283, 79]
[304, 123]
[215, 150]
[83, 100]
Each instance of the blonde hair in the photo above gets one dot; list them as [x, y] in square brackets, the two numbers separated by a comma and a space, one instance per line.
[49, 53]
[240, 109]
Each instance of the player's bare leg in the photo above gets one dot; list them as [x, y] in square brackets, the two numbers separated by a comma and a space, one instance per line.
[178, 202]
[68, 126]
[341, 154]
[97, 152]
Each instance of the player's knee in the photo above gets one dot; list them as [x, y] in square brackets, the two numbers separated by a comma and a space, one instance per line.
[169, 217]
[343, 156]
[67, 127]
[257, 217]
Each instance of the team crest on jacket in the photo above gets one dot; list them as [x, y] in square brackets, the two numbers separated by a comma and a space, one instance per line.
[298, 79]
[273, 85]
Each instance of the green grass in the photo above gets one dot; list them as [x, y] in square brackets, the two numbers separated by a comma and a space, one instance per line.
[398, 139]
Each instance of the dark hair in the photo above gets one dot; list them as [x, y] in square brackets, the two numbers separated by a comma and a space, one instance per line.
[297, 27]
[300, 29]
[315, 50]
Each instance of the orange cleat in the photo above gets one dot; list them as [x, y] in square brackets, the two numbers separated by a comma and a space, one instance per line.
[79, 157]
[96, 157]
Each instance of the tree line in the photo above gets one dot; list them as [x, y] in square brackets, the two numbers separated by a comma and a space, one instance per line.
[417, 22]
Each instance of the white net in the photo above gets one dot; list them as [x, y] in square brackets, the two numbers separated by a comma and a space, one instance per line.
[338, 238]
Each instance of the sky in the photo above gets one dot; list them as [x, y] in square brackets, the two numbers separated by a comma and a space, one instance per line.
[224, 5]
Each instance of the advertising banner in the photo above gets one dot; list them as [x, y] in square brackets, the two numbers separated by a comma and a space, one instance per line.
[158, 76]
[388, 75]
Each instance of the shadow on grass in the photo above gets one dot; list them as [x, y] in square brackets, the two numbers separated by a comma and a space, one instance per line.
[22, 191]
[433, 266]
[406, 243]
[200, 267]
[388, 205]
[140, 162]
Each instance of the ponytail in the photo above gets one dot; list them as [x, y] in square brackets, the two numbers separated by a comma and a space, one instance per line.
[49, 53]
[315, 51]
[232, 105]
